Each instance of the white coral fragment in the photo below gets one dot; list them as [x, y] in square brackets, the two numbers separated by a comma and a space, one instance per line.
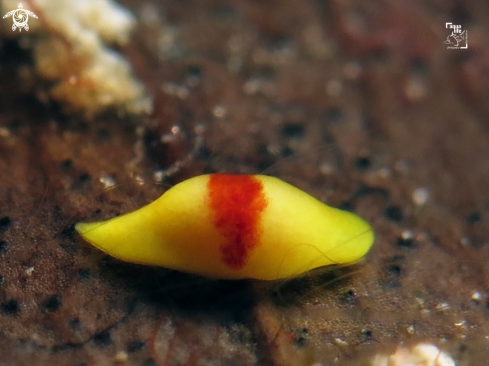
[422, 354]
[71, 51]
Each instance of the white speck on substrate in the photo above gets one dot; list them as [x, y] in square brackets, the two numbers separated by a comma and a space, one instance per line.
[462, 325]
[219, 111]
[420, 196]
[139, 180]
[341, 342]
[121, 357]
[107, 180]
[326, 169]
[407, 235]
[476, 296]
[465, 241]
[384, 173]
[176, 90]
[175, 132]
[421, 354]
[442, 306]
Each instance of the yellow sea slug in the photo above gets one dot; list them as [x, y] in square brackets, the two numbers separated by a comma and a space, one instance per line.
[234, 226]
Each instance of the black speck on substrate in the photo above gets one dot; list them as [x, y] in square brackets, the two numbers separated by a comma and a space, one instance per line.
[394, 213]
[68, 232]
[193, 75]
[203, 153]
[5, 223]
[334, 115]
[474, 218]
[301, 337]
[84, 181]
[362, 164]
[3, 247]
[287, 151]
[134, 346]
[293, 131]
[346, 206]
[66, 165]
[405, 242]
[102, 339]
[103, 135]
[149, 362]
[74, 323]
[365, 191]
[394, 270]
[10, 307]
[85, 178]
[53, 303]
[367, 334]
[84, 274]
[349, 297]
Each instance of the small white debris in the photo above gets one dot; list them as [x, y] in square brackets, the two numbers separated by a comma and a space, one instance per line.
[415, 89]
[420, 196]
[252, 86]
[158, 176]
[219, 111]
[176, 90]
[384, 173]
[106, 180]
[326, 169]
[121, 357]
[410, 330]
[465, 241]
[421, 354]
[341, 342]
[420, 302]
[476, 296]
[29, 271]
[172, 136]
[462, 325]
[139, 179]
[407, 235]
[442, 306]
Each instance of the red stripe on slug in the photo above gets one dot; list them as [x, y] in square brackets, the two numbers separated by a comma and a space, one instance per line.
[237, 202]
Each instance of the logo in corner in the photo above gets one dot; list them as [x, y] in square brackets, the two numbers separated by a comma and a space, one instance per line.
[20, 17]
[458, 40]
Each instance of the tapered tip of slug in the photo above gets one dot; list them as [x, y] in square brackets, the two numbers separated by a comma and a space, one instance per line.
[88, 230]
[83, 227]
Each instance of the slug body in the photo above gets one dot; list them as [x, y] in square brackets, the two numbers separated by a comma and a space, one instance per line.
[234, 226]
